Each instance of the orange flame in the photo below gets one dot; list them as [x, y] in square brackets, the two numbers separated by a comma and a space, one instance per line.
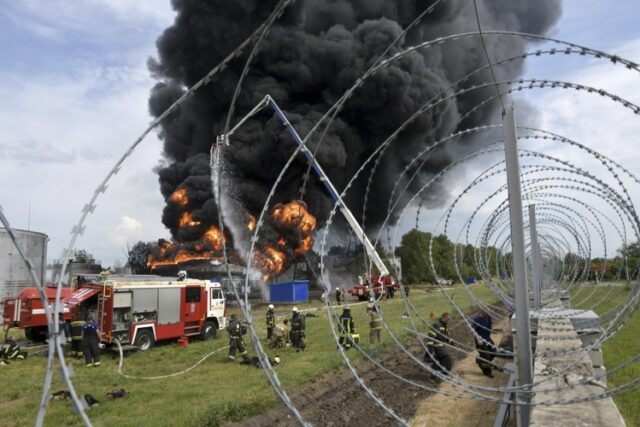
[271, 262]
[179, 197]
[251, 224]
[181, 256]
[295, 214]
[307, 244]
[214, 237]
[187, 221]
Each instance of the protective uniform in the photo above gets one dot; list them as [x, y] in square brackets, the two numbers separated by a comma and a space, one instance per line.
[338, 296]
[280, 335]
[90, 343]
[347, 328]
[436, 353]
[11, 351]
[271, 322]
[76, 337]
[375, 325]
[484, 344]
[236, 330]
[297, 330]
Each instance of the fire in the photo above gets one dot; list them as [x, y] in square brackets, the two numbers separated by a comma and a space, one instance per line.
[307, 244]
[179, 197]
[282, 242]
[187, 221]
[214, 237]
[271, 261]
[295, 214]
[251, 224]
[183, 255]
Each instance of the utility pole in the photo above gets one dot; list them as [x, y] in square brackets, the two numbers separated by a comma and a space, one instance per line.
[535, 259]
[523, 333]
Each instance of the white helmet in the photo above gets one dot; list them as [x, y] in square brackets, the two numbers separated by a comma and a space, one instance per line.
[270, 306]
[337, 288]
[276, 360]
[294, 309]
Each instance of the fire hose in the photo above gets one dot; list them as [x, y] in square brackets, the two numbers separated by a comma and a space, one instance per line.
[159, 377]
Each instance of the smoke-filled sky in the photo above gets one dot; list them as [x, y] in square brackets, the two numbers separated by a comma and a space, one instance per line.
[75, 89]
[313, 54]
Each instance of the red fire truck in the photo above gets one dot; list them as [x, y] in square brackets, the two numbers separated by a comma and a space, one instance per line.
[379, 284]
[26, 311]
[141, 311]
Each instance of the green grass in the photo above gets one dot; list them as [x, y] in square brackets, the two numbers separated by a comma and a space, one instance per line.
[211, 394]
[624, 345]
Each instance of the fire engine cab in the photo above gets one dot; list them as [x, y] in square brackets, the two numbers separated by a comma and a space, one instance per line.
[143, 310]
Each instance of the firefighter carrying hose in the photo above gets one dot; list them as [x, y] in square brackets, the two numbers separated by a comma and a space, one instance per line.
[347, 329]
[91, 342]
[271, 321]
[236, 330]
[297, 329]
[76, 337]
[436, 352]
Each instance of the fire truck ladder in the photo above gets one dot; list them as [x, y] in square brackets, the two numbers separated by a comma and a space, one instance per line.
[267, 101]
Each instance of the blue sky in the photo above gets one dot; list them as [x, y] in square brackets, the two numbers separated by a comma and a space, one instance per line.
[73, 96]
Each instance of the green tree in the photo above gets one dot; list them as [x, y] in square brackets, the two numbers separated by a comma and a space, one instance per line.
[137, 256]
[83, 256]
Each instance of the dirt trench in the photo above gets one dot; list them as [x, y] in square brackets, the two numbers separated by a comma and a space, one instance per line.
[336, 399]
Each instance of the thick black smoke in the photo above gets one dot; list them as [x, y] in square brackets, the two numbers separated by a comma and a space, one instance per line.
[316, 51]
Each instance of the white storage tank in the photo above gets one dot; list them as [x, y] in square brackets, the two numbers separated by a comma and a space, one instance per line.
[14, 274]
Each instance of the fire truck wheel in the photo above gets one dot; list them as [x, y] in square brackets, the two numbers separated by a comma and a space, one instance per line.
[36, 334]
[209, 330]
[144, 340]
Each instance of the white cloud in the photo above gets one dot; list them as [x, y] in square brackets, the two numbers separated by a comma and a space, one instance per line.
[63, 20]
[128, 230]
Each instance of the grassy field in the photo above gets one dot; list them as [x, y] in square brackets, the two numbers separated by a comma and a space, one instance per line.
[624, 345]
[214, 392]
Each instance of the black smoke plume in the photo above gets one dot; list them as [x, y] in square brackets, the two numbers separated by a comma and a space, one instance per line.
[313, 53]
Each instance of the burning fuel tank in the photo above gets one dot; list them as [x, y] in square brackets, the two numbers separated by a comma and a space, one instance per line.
[14, 274]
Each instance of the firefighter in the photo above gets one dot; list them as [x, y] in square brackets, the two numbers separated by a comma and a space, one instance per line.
[436, 352]
[271, 321]
[236, 330]
[76, 337]
[280, 335]
[297, 329]
[375, 324]
[338, 296]
[91, 343]
[11, 351]
[347, 328]
[484, 344]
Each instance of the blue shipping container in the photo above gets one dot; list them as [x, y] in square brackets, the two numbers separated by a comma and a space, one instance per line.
[296, 291]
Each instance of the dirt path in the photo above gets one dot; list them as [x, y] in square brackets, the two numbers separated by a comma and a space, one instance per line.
[336, 399]
[439, 410]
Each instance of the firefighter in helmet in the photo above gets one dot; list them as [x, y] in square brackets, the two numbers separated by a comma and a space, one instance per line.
[297, 329]
[347, 328]
[236, 330]
[271, 321]
[91, 343]
[436, 352]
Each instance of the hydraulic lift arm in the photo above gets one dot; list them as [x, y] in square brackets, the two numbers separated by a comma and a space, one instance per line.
[353, 222]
